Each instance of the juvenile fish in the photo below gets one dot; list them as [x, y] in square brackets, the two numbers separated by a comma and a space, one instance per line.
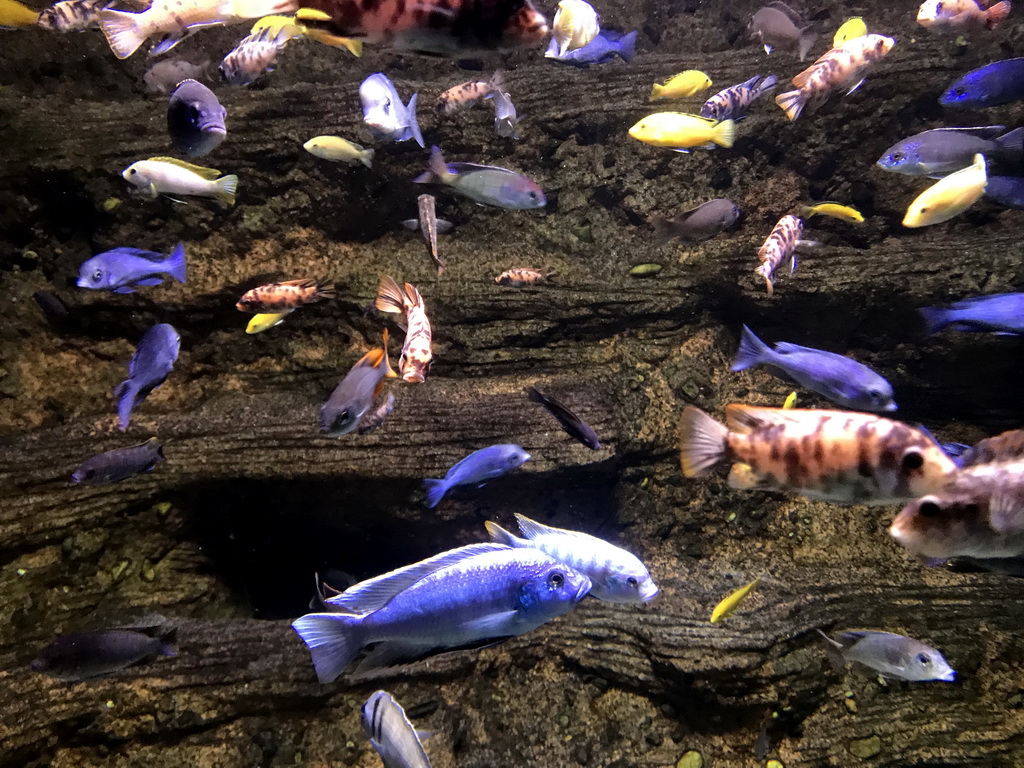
[353, 397]
[836, 211]
[264, 321]
[391, 733]
[1001, 313]
[778, 26]
[505, 117]
[949, 196]
[837, 456]
[151, 364]
[574, 426]
[121, 270]
[378, 415]
[523, 276]
[429, 226]
[285, 296]
[164, 76]
[339, 149]
[170, 176]
[119, 464]
[727, 607]
[993, 85]
[195, 119]
[683, 132]
[681, 86]
[955, 16]
[836, 377]
[893, 656]
[484, 184]
[780, 245]
[734, 102]
[254, 55]
[383, 112]
[575, 25]
[617, 576]
[468, 94]
[416, 352]
[72, 15]
[701, 223]
[942, 151]
[464, 598]
[74, 657]
[603, 48]
[476, 469]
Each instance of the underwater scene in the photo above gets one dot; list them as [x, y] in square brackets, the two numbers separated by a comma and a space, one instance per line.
[480, 383]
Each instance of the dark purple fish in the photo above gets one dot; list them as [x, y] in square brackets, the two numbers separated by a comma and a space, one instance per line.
[121, 270]
[574, 426]
[1006, 190]
[195, 119]
[150, 365]
[120, 464]
[993, 85]
[80, 656]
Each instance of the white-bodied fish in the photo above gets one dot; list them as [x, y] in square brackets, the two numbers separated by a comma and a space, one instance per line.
[170, 176]
[891, 655]
[383, 112]
[575, 25]
[391, 733]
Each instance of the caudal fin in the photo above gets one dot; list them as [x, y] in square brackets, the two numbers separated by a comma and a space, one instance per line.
[435, 490]
[125, 393]
[227, 186]
[807, 39]
[656, 90]
[389, 296]
[725, 133]
[702, 442]
[935, 319]
[122, 32]
[792, 103]
[366, 157]
[333, 640]
[414, 123]
[752, 351]
[325, 290]
[627, 47]
[500, 536]
[997, 13]
[1012, 143]
[766, 85]
[176, 263]
[664, 229]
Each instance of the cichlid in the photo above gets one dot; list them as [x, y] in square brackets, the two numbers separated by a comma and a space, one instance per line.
[837, 456]
[682, 132]
[391, 733]
[377, 416]
[121, 270]
[701, 223]
[681, 86]
[72, 15]
[575, 25]
[476, 469]
[949, 196]
[894, 656]
[254, 55]
[836, 211]
[1007, 446]
[1006, 190]
[383, 112]
[151, 364]
[195, 119]
[484, 184]
[603, 48]
[339, 149]
[732, 601]
[164, 76]
[778, 26]
[505, 116]
[430, 227]
[993, 85]
[416, 353]
[840, 68]
[170, 176]
[616, 576]
[464, 598]
[734, 102]
[942, 151]
[354, 395]
[998, 313]
[781, 244]
[520, 277]
[177, 19]
[851, 28]
[955, 16]
[790, 401]
[264, 321]
[285, 296]
[74, 657]
[836, 377]
[14, 14]
[574, 426]
[468, 94]
[119, 464]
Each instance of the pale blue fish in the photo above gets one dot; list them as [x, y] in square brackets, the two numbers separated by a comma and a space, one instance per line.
[383, 112]
[151, 364]
[476, 469]
[119, 464]
[484, 184]
[603, 48]
[891, 655]
[1000, 313]
[391, 733]
[121, 270]
[943, 151]
[734, 102]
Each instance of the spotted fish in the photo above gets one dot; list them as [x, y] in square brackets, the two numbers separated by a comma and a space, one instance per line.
[466, 95]
[282, 297]
[416, 355]
[781, 244]
[734, 102]
[72, 15]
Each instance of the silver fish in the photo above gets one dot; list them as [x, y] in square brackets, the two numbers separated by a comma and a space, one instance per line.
[354, 395]
[391, 733]
[891, 655]
[505, 118]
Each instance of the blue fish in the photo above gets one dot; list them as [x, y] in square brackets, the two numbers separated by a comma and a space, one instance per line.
[998, 83]
[391, 733]
[1001, 313]
[840, 379]
[383, 112]
[121, 270]
[150, 365]
[119, 464]
[464, 598]
[605, 47]
[476, 469]
[1006, 190]
[734, 102]
[195, 119]
[942, 151]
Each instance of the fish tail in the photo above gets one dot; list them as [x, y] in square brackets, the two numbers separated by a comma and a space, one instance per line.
[497, 81]
[435, 490]
[412, 296]
[390, 297]
[664, 229]
[935, 319]
[765, 85]
[227, 186]
[752, 351]
[1012, 142]
[997, 13]
[414, 123]
[702, 442]
[366, 157]
[324, 290]
[125, 394]
[807, 39]
[500, 536]
[792, 103]
[333, 640]
[438, 173]
[122, 32]
[176, 263]
[389, 372]
[656, 90]
[168, 648]
[725, 133]
[536, 396]
[627, 47]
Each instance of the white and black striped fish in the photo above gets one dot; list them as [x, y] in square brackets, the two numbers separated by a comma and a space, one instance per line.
[72, 15]
[391, 733]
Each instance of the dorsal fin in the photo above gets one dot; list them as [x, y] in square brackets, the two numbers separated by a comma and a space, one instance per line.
[199, 170]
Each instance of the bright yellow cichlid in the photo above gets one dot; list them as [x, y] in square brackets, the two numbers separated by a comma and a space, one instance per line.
[14, 14]
[688, 83]
[790, 402]
[277, 24]
[682, 132]
[948, 197]
[836, 211]
[264, 322]
[851, 28]
[726, 608]
[293, 26]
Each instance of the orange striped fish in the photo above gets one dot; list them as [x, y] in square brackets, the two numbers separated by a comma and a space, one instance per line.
[274, 298]
[837, 456]
[416, 355]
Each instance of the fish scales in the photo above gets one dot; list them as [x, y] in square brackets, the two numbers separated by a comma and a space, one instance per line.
[780, 245]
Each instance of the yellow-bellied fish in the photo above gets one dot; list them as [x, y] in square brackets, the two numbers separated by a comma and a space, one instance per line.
[851, 28]
[688, 83]
[266, 321]
[682, 132]
[836, 211]
[339, 150]
[733, 601]
[948, 197]
[575, 25]
[14, 14]
[293, 26]
[170, 176]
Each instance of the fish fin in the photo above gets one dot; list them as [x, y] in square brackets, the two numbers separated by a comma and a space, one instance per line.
[492, 625]
[500, 536]
[656, 90]
[807, 39]
[411, 224]
[390, 297]
[536, 395]
[766, 85]
[856, 85]
[1012, 142]
[1006, 514]
[444, 226]
[414, 123]
[531, 529]
[997, 13]
[125, 394]
[392, 654]
[124, 289]
[744, 477]
[143, 281]
[226, 189]
[167, 42]
[835, 655]
[752, 351]
[664, 229]
[366, 157]
[438, 167]
[702, 442]
[122, 32]
[792, 103]
[175, 265]
[627, 47]
[333, 640]
[768, 49]
[207, 173]
[725, 133]
[497, 82]
[325, 290]
[935, 319]
[389, 372]
[254, 9]
[412, 296]
[435, 490]
[168, 649]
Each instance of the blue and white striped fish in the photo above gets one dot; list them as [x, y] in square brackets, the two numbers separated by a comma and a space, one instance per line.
[734, 102]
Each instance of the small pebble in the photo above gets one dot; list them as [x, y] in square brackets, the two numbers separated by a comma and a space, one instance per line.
[866, 748]
[691, 759]
[110, 204]
[645, 270]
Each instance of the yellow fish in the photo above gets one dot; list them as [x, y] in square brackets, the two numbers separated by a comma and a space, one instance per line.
[948, 197]
[790, 402]
[726, 608]
[278, 24]
[681, 132]
[851, 28]
[293, 27]
[836, 211]
[688, 83]
[339, 150]
[14, 14]
[261, 323]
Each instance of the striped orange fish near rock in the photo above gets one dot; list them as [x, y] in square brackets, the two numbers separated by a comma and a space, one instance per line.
[275, 298]
[416, 355]
[837, 456]
[466, 95]
[447, 27]
[780, 245]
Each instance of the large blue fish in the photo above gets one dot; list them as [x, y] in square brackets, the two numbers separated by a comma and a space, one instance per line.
[840, 379]
[121, 270]
[942, 151]
[476, 469]
[195, 119]
[605, 47]
[1000, 82]
[383, 112]
[150, 365]
[463, 598]
[1001, 313]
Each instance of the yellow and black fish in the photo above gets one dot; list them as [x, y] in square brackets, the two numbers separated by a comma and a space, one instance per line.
[275, 298]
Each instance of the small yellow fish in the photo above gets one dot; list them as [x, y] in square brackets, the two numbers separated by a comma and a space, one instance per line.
[261, 323]
[851, 28]
[278, 24]
[339, 149]
[726, 608]
[680, 131]
[688, 83]
[836, 211]
[322, 36]
[948, 197]
[575, 25]
[790, 402]
[14, 14]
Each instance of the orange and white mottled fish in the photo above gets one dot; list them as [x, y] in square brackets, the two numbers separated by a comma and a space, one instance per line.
[842, 67]
[446, 27]
[780, 245]
[837, 456]
[955, 16]
[466, 95]
[521, 276]
[280, 297]
[416, 355]
[1004, 447]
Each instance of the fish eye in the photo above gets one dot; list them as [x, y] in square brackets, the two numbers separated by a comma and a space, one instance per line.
[896, 157]
[632, 583]
[959, 91]
[913, 460]
[556, 580]
[929, 509]
[132, 171]
[97, 275]
[922, 658]
[193, 111]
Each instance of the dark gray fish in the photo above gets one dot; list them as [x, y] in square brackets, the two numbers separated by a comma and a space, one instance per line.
[83, 655]
[700, 223]
[353, 397]
[429, 226]
[120, 464]
[778, 26]
[53, 306]
[195, 119]
[576, 427]
[391, 733]
[152, 362]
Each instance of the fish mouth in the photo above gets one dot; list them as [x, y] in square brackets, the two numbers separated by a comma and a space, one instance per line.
[82, 283]
[650, 593]
[216, 129]
[949, 677]
[76, 477]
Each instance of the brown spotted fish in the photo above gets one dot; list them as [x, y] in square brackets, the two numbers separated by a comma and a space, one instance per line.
[275, 298]
[837, 456]
[780, 245]
[521, 276]
[446, 27]
[468, 94]
[1008, 446]
[416, 355]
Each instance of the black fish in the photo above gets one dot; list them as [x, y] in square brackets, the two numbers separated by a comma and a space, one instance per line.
[80, 656]
[195, 119]
[120, 464]
[576, 427]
